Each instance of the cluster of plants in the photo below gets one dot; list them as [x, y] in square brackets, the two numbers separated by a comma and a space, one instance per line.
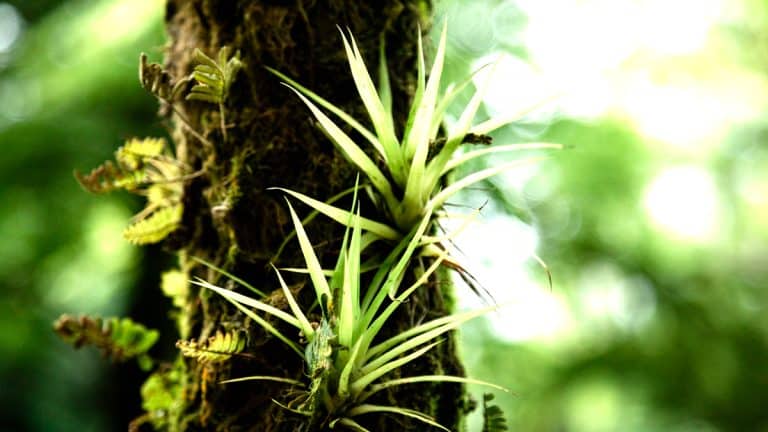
[347, 360]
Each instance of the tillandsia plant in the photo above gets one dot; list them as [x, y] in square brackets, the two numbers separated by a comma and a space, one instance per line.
[346, 364]
[410, 184]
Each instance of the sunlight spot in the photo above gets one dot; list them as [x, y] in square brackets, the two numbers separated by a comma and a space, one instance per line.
[508, 23]
[10, 26]
[21, 99]
[680, 26]
[517, 178]
[605, 292]
[682, 116]
[585, 49]
[530, 312]
[683, 201]
[471, 36]
[751, 180]
[497, 249]
[513, 87]
[582, 38]
[92, 276]
[498, 238]
[595, 404]
[122, 19]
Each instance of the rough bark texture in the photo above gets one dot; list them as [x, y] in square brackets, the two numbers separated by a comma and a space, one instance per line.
[233, 221]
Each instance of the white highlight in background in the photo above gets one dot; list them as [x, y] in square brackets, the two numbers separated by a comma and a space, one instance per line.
[10, 26]
[497, 249]
[683, 201]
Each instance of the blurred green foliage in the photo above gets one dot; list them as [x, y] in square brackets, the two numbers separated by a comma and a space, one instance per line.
[652, 221]
[656, 317]
[70, 95]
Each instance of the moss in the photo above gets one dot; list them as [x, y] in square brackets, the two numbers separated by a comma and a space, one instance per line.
[233, 221]
[163, 398]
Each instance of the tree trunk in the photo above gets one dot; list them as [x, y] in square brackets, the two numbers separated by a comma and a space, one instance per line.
[233, 221]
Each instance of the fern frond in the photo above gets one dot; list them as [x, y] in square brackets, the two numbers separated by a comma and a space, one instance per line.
[155, 227]
[108, 177]
[145, 167]
[216, 349]
[135, 152]
[119, 339]
[139, 162]
[493, 416]
[214, 78]
[157, 81]
[163, 194]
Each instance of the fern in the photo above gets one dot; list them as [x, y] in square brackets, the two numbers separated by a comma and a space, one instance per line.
[161, 85]
[136, 152]
[140, 162]
[108, 177]
[155, 227]
[216, 349]
[214, 79]
[145, 167]
[493, 416]
[118, 339]
[157, 81]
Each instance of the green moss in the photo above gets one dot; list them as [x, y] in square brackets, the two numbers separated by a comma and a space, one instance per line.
[162, 398]
[230, 217]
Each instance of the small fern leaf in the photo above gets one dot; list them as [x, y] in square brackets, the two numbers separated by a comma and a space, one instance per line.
[157, 81]
[213, 78]
[118, 339]
[163, 194]
[132, 170]
[108, 177]
[155, 227]
[134, 154]
[216, 349]
[493, 416]
[210, 80]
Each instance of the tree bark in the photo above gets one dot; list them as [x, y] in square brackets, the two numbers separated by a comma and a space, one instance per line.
[233, 221]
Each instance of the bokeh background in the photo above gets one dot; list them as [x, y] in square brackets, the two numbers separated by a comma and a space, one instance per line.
[653, 221]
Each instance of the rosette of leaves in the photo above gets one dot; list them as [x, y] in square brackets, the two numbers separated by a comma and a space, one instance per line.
[145, 167]
[408, 170]
[345, 367]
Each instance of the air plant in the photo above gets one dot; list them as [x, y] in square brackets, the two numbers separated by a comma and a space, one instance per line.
[408, 182]
[345, 362]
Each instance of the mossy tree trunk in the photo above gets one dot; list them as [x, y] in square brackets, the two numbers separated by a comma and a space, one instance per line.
[232, 220]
